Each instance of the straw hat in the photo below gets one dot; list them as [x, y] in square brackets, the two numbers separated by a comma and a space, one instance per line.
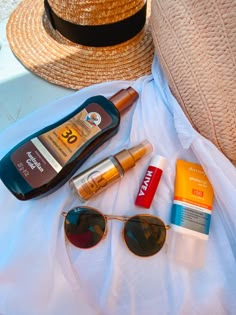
[196, 45]
[76, 43]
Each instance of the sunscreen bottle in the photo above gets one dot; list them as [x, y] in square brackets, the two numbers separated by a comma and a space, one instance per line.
[191, 213]
[47, 159]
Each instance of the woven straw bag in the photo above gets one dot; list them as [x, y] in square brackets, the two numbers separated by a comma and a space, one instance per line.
[195, 41]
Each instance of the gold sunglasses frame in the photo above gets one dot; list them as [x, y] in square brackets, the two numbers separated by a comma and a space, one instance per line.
[108, 217]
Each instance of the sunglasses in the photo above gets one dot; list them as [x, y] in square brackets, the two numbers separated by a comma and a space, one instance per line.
[143, 234]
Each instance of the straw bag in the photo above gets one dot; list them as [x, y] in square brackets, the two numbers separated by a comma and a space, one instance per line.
[195, 41]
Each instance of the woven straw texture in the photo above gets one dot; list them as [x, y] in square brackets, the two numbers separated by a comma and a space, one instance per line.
[195, 41]
[95, 12]
[48, 54]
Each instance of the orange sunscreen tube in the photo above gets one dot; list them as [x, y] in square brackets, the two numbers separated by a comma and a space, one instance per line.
[192, 206]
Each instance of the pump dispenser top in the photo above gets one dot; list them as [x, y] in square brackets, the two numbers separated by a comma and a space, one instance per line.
[127, 158]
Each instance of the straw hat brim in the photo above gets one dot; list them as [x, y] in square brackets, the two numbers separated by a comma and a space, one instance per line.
[45, 52]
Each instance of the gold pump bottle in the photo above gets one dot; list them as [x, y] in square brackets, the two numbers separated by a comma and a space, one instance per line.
[100, 176]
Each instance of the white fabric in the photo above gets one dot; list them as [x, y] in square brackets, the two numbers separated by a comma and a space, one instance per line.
[42, 274]
[7, 6]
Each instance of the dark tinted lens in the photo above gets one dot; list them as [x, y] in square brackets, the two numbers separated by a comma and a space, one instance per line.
[84, 227]
[144, 235]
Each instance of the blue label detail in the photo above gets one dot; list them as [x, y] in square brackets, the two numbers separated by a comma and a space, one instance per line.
[190, 218]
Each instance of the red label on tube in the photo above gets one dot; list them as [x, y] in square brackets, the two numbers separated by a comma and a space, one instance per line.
[149, 185]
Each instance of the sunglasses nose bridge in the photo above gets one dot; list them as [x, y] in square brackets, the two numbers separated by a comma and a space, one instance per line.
[116, 217]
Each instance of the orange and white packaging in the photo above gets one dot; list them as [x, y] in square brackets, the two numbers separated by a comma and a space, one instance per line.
[191, 213]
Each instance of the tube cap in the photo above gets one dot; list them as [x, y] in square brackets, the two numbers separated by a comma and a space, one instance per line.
[187, 249]
[124, 98]
[158, 161]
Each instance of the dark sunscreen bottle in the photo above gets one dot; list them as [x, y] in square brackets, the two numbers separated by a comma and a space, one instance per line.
[44, 161]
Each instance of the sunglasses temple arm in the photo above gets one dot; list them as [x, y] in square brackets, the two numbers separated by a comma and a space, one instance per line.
[125, 218]
[108, 216]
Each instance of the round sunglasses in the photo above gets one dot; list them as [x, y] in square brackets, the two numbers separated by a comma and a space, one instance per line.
[144, 234]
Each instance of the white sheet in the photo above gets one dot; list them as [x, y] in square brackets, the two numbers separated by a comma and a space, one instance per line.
[42, 274]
